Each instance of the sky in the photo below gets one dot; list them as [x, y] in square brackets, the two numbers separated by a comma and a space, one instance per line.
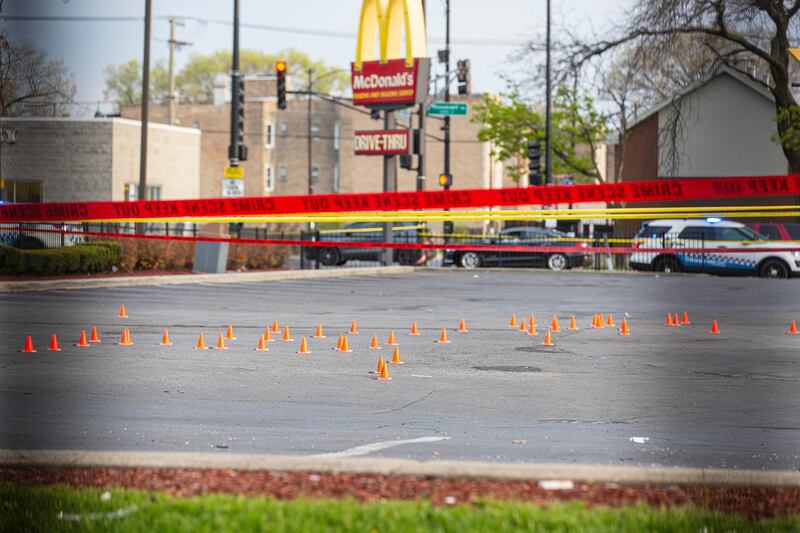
[489, 33]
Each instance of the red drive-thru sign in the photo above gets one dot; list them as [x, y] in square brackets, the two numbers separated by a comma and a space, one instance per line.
[382, 142]
[390, 82]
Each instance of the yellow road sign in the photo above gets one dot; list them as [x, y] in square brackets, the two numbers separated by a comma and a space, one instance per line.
[234, 173]
[795, 53]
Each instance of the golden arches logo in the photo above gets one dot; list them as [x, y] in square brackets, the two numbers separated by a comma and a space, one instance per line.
[381, 22]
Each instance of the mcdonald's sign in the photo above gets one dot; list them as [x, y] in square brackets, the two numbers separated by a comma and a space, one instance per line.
[384, 74]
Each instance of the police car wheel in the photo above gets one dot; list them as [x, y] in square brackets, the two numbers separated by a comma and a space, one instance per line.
[774, 268]
[470, 260]
[329, 256]
[667, 265]
[557, 262]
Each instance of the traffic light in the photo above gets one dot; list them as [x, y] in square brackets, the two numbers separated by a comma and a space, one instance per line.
[237, 149]
[535, 162]
[463, 76]
[240, 111]
[445, 180]
[280, 71]
[406, 161]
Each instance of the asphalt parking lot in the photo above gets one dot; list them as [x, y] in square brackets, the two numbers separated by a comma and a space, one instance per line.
[730, 400]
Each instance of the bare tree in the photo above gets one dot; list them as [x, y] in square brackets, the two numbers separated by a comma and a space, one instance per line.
[30, 83]
[750, 36]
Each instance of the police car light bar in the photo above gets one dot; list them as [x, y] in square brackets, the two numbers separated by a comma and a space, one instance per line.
[713, 220]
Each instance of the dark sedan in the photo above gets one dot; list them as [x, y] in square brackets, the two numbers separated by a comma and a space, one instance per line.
[526, 236]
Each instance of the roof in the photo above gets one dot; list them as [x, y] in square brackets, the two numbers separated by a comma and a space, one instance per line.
[721, 71]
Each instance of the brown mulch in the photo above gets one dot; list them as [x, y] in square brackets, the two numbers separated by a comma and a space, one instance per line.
[119, 274]
[753, 502]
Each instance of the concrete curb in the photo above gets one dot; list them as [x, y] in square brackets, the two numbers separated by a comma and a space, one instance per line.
[182, 279]
[630, 475]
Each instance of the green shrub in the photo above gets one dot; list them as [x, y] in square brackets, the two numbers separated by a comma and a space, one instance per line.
[114, 247]
[55, 261]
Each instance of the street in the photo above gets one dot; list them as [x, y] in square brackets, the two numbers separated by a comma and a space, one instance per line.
[687, 398]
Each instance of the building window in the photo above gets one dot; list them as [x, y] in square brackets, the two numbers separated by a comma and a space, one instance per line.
[18, 192]
[269, 179]
[337, 129]
[284, 174]
[284, 129]
[131, 192]
[269, 132]
[315, 130]
[336, 178]
[314, 174]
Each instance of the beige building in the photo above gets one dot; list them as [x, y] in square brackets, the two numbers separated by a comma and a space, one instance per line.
[68, 159]
[278, 146]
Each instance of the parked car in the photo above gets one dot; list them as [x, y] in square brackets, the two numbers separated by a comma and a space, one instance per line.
[408, 232]
[777, 231]
[522, 235]
[713, 233]
[25, 236]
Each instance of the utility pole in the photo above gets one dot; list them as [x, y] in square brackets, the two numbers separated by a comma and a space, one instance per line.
[389, 185]
[421, 147]
[140, 228]
[308, 117]
[447, 90]
[172, 98]
[548, 167]
[233, 149]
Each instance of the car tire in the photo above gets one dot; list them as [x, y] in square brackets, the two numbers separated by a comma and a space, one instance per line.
[407, 257]
[667, 265]
[470, 260]
[30, 243]
[329, 256]
[557, 262]
[773, 269]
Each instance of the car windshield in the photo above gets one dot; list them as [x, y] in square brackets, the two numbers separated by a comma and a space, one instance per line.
[652, 232]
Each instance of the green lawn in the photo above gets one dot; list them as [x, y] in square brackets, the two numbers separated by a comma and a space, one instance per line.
[64, 509]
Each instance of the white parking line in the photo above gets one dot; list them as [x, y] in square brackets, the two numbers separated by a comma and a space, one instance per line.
[376, 446]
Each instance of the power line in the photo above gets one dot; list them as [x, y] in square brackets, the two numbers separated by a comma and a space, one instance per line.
[264, 27]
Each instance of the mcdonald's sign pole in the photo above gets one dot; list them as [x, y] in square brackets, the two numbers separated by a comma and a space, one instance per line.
[386, 78]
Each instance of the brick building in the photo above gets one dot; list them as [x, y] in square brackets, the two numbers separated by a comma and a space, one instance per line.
[69, 159]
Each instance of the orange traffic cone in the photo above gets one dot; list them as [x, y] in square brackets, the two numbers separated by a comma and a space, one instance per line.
[262, 344]
[396, 356]
[303, 346]
[443, 337]
[126, 338]
[374, 344]
[685, 319]
[554, 325]
[462, 326]
[532, 320]
[594, 321]
[165, 339]
[201, 343]
[414, 329]
[339, 343]
[610, 321]
[82, 342]
[513, 322]
[532, 328]
[572, 324]
[29, 345]
[669, 322]
[676, 322]
[548, 341]
[381, 364]
[54, 344]
[94, 337]
[268, 335]
[287, 336]
[345, 345]
[221, 343]
[122, 313]
[793, 328]
[714, 328]
[623, 330]
[522, 326]
[275, 327]
[384, 373]
[353, 328]
[229, 334]
[391, 341]
[319, 334]
[600, 322]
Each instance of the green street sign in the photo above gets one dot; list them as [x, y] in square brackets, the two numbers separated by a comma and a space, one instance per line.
[441, 109]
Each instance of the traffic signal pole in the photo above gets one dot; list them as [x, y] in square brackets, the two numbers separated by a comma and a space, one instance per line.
[548, 167]
[233, 149]
[447, 90]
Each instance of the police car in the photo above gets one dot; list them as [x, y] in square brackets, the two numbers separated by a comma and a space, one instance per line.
[723, 239]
